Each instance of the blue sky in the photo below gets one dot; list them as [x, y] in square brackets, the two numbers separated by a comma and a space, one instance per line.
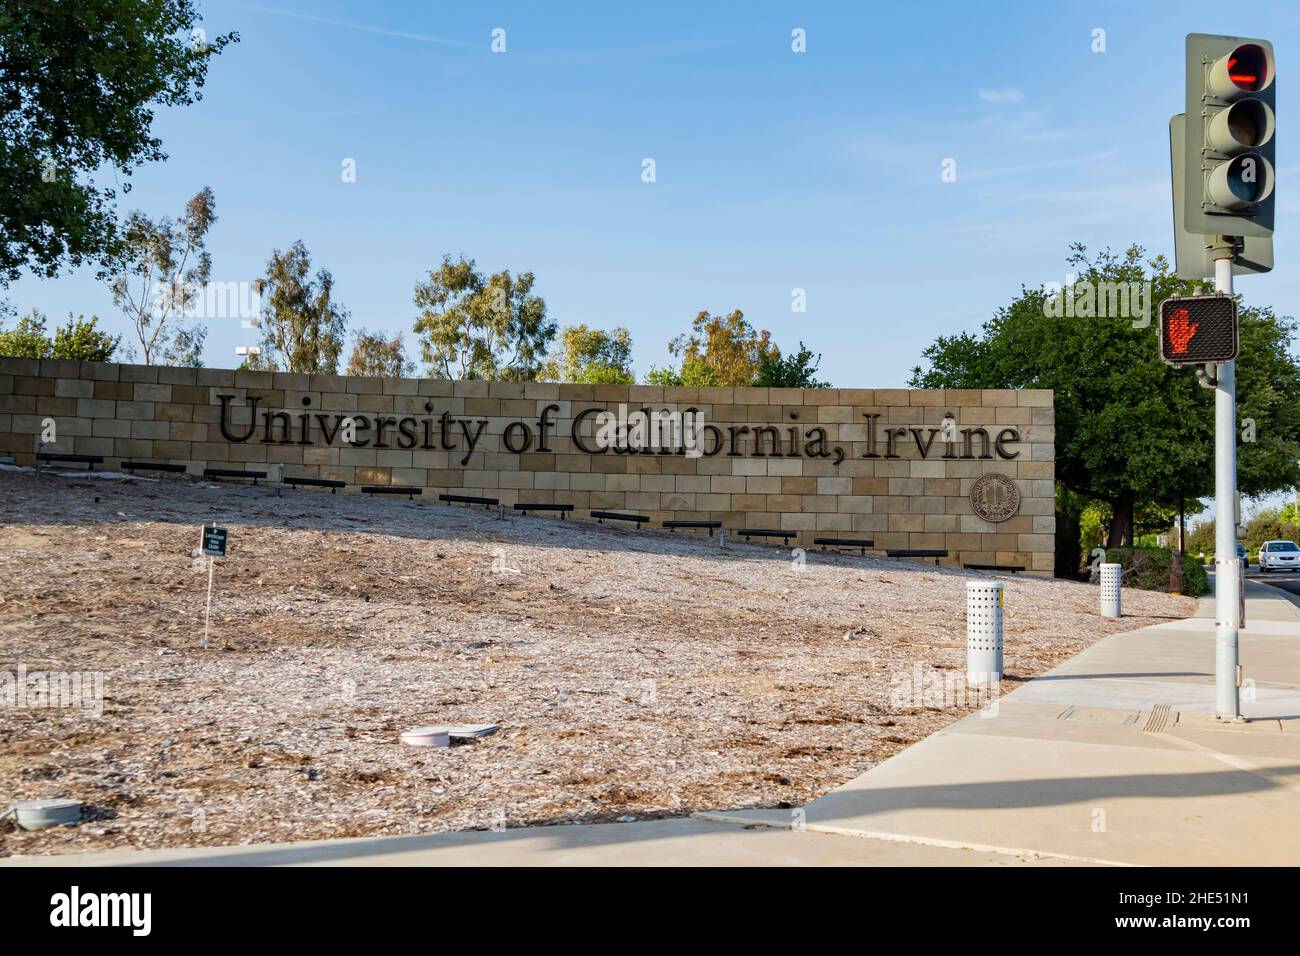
[775, 170]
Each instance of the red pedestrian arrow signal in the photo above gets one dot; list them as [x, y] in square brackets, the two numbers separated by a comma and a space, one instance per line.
[1198, 329]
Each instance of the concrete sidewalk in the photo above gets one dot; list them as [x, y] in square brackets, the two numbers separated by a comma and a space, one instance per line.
[1112, 758]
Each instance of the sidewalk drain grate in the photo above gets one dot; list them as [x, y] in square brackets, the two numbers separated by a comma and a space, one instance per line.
[1099, 715]
[1158, 719]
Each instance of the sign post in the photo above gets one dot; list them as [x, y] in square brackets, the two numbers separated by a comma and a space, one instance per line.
[1202, 330]
[1228, 589]
[1223, 153]
[213, 544]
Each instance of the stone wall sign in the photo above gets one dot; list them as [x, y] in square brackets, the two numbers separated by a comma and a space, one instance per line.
[891, 465]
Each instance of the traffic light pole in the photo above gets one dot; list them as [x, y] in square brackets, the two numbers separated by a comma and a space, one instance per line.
[1222, 153]
[1227, 568]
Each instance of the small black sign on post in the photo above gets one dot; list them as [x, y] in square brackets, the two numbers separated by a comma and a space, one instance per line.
[212, 543]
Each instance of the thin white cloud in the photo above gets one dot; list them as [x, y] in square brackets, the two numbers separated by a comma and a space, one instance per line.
[1004, 122]
[361, 27]
[1125, 194]
[628, 54]
[1051, 136]
[1007, 95]
[1028, 126]
[989, 172]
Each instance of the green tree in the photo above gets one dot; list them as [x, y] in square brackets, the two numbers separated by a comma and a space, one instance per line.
[1290, 513]
[1130, 430]
[477, 327]
[1268, 393]
[719, 351]
[27, 339]
[82, 339]
[79, 339]
[793, 371]
[694, 373]
[590, 357]
[662, 376]
[1268, 525]
[1200, 540]
[162, 271]
[376, 356]
[79, 84]
[302, 325]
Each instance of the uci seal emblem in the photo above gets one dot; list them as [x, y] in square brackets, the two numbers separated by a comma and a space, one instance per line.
[995, 497]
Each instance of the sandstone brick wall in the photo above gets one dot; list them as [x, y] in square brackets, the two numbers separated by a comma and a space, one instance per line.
[172, 414]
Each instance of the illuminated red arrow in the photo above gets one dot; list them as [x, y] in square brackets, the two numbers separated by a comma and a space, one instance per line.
[1239, 78]
[1181, 330]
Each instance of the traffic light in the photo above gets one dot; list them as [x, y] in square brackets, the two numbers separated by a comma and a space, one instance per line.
[1229, 150]
[1192, 252]
[1198, 329]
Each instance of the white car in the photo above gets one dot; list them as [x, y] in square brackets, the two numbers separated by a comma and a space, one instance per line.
[1281, 555]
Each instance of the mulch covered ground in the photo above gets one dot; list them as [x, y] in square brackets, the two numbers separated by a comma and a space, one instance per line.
[633, 674]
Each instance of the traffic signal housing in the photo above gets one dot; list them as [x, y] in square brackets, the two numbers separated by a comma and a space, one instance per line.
[1230, 147]
[1192, 252]
[1198, 329]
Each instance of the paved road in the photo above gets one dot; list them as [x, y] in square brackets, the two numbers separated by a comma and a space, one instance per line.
[1286, 580]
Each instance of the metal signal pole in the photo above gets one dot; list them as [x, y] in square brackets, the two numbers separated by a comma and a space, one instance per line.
[1227, 568]
[1223, 152]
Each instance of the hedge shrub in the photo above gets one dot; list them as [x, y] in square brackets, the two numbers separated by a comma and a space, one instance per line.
[1148, 570]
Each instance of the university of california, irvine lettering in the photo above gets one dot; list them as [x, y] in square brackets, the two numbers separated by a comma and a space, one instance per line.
[895, 466]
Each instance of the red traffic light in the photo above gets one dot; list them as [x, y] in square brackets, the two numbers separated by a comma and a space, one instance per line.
[1244, 70]
[1198, 329]
[1248, 67]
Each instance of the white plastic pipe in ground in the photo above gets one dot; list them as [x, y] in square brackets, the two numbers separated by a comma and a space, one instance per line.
[983, 632]
[1110, 589]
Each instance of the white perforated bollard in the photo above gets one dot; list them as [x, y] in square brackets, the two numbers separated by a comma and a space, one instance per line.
[983, 632]
[1110, 590]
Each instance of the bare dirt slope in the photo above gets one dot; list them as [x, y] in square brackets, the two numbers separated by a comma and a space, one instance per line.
[632, 673]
